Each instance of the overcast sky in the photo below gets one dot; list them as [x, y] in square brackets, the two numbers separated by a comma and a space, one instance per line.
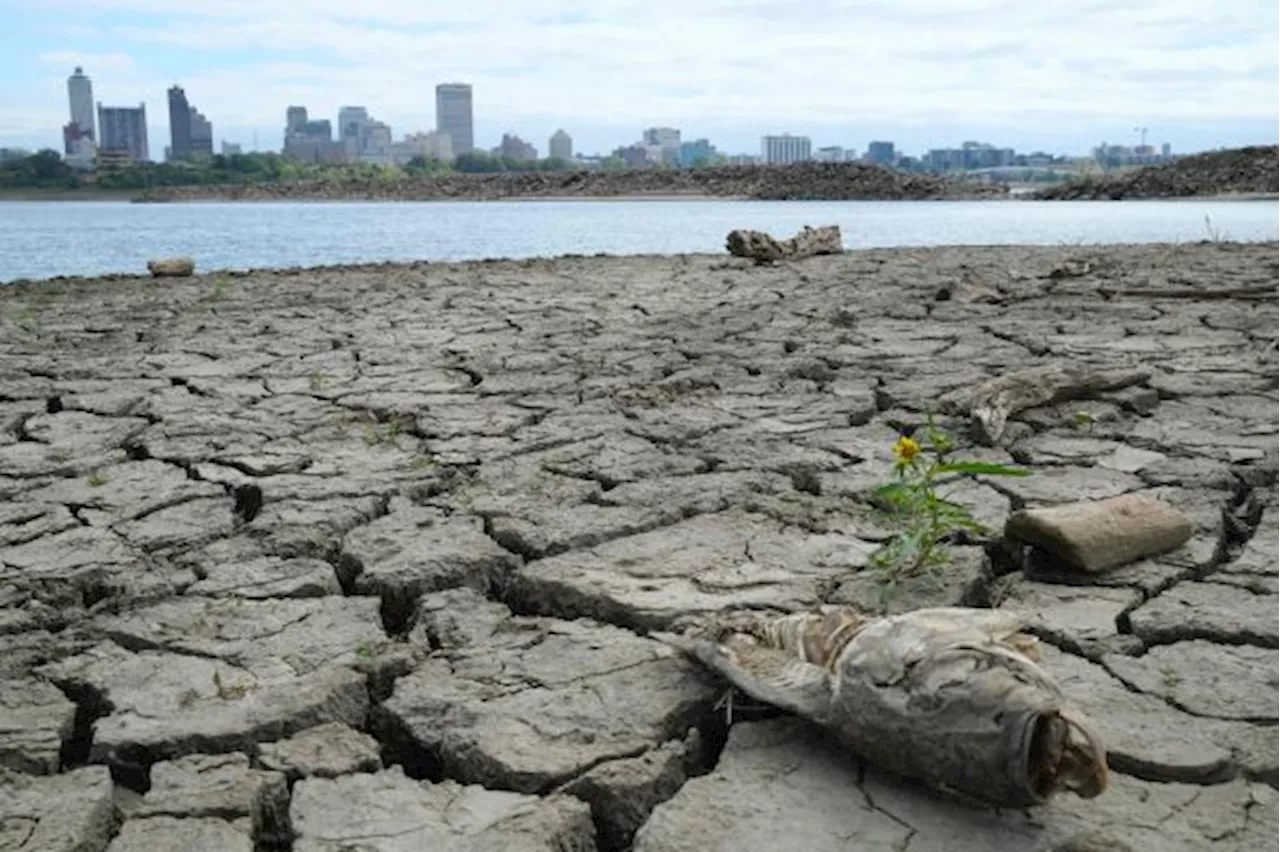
[1051, 74]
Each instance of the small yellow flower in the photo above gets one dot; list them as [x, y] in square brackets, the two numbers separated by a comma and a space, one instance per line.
[906, 450]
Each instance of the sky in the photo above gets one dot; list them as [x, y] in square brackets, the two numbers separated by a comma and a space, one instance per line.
[1055, 75]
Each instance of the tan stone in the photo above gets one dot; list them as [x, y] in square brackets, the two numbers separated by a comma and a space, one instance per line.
[1097, 535]
[171, 267]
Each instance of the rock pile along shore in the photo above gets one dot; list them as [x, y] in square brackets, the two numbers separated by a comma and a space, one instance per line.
[367, 557]
[803, 181]
[1254, 170]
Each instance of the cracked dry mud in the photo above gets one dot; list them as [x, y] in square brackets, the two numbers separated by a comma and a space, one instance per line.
[365, 558]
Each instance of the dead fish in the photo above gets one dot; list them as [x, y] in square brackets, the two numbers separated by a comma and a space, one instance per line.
[949, 696]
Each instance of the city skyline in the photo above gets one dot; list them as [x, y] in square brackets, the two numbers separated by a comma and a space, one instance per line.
[1026, 76]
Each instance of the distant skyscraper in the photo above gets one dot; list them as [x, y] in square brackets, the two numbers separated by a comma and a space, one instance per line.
[784, 149]
[453, 115]
[201, 135]
[881, 153]
[80, 93]
[295, 118]
[515, 148]
[560, 146]
[124, 130]
[663, 137]
[179, 125]
[352, 121]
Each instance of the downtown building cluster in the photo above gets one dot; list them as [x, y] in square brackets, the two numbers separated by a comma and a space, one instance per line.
[112, 136]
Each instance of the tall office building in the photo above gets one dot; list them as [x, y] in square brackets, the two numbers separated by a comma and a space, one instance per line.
[560, 146]
[785, 149]
[124, 131]
[179, 125]
[80, 93]
[881, 153]
[453, 116]
[201, 135]
[352, 124]
[295, 118]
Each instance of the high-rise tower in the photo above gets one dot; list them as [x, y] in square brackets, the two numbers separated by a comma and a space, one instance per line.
[453, 115]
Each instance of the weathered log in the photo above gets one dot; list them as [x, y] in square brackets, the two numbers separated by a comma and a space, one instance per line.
[1096, 535]
[763, 248]
[990, 404]
[171, 267]
[949, 696]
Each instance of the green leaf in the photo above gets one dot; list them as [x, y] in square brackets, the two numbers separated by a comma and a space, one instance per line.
[982, 468]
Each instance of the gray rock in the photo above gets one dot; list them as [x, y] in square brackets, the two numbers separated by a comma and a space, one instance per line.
[622, 793]
[325, 751]
[222, 787]
[35, 720]
[1211, 611]
[222, 675]
[1079, 617]
[26, 521]
[1222, 681]
[80, 567]
[387, 812]
[1054, 485]
[189, 835]
[962, 579]
[1135, 727]
[126, 491]
[312, 528]
[780, 785]
[182, 526]
[414, 550]
[239, 566]
[710, 562]
[71, 812]
[1261, 553]
[537, 702]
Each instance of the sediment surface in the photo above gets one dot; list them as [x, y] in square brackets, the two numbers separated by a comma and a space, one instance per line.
[366, 557]
[802, 181]
[1237, 171]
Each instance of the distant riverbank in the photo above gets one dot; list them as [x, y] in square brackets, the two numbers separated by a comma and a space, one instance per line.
[797, 182]
[84, 193]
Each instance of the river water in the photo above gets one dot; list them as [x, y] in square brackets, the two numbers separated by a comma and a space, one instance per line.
[46, 239]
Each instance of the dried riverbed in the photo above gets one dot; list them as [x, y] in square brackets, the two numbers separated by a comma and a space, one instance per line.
[365, 558]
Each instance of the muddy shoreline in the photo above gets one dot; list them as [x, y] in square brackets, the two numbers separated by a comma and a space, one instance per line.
[291, 559]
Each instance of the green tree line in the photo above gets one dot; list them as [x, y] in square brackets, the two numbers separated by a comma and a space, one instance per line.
[47, 170]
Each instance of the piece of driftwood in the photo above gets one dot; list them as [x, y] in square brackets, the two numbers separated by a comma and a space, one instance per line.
[171, 267]
[763, 248]
[991, 403]
[950, 696]
[1096, 535]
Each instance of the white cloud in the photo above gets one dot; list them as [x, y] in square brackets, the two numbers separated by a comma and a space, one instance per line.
[101, 63]
[761, 64]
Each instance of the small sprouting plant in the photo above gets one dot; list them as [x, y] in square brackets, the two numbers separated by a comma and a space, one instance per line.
[923, 465]
[316, 380]
[28, 321]
[1215, 235]
[97, 480]
[385, 433]
[1084, 420]
[366, 650]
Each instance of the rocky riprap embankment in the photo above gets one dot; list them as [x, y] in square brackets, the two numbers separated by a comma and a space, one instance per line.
[1254, 170]
[364, 558]
[805, 181]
